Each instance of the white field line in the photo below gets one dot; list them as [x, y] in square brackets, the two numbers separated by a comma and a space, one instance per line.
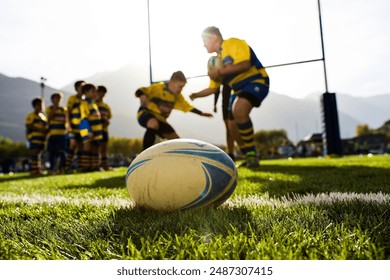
[314, 199]
[52, 199]
[253, 201]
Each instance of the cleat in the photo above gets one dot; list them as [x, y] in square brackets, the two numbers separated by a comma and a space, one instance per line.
[251, 160]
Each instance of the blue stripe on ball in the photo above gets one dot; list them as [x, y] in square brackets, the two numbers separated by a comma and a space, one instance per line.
[215, 179]
[216, 155]
[134, 166]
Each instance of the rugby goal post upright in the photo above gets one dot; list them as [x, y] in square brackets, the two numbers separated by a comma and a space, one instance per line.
[332, 144]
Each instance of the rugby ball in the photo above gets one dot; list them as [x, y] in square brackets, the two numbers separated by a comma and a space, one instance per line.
[181, 174]
[214, 61]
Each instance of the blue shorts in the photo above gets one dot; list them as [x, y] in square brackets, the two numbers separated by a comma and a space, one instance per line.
[255, 93]
[35, 146]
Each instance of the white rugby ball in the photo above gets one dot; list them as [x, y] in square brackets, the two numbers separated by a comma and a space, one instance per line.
[214, 61]
[181, 174]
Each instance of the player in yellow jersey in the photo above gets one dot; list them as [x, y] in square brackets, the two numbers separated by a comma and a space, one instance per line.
[75, 141]
[91, 130]
[249, 81]
[36, 131]
[157, 103]
[56, 143]
[105, 112]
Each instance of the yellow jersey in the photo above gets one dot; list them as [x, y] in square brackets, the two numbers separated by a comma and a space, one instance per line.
[37, 124]
[105, 112]
[57, 121]
[162, 101]
[234, 51]
[73, 106]
[89, 112]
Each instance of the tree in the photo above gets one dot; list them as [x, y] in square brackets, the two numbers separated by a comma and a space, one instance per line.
[362, 129]
[9, 149]
[124, 147]
[268, 141]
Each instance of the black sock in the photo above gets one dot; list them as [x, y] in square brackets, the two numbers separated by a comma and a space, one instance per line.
[149, 138]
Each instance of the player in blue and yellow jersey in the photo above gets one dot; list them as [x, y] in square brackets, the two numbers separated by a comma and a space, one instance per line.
[73, 109]
[157, 103]
[247, 77]
[105, 112]
[56, 142]
[91, 129]
[36, 131]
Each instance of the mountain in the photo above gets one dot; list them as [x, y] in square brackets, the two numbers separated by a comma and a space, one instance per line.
[299, 117]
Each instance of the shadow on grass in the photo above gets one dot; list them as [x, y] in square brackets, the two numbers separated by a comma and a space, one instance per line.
[139, 224]
[22, 176]
[114, 182]
[319, 179]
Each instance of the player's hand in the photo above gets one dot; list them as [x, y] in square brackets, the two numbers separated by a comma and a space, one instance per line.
[144, 100]
[193, 96]
[207, 115]
[213, 74]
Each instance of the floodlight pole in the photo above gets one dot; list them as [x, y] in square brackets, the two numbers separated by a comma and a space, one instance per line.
[43, 80]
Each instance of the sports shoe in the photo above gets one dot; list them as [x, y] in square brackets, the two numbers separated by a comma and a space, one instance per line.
[251, 160]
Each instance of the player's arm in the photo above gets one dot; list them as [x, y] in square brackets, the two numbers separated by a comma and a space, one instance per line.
[182, 105]
[30, 122]
[67, 122]
[230, 69]
[200, 113]
[203, 93]
[141, 93]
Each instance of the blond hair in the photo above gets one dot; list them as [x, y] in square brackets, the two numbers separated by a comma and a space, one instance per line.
[212, 30]
[178, 76]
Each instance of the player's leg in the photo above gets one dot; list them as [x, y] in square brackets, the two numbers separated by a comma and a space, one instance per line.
[35, 165]
[233, 127]
[52, 149]
[241, 110]
[251, 96]
[61, 153]
[72, 145]
[167, 131]
[152, 127]
[94, 159]
[103, 152]
[229, 140]
[84, 156]
[225, 115]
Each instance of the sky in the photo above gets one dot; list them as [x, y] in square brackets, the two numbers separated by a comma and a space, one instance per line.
[67, 40]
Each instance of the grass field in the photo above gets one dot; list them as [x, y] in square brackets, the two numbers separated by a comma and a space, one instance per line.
[298, 209]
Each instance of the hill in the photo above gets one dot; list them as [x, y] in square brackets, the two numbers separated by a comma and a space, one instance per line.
[298, 117]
